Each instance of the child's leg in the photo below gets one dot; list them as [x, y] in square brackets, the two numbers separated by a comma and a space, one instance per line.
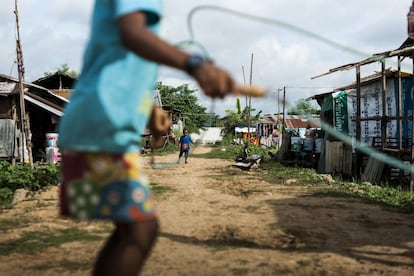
[127, 248]
[186, 156]
[179, 156]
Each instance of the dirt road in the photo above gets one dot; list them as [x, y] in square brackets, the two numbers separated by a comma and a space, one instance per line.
[218, 220]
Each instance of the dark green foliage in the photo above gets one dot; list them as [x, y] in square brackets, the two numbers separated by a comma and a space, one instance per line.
[6, 196]
[65, 70]
[303, 107]
[25, 177]
[236, 118]
[185, 100]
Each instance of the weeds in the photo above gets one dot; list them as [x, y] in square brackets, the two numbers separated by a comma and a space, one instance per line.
[65, 264]
[277, 173]
[159, 190]
[15, 223]
[35, 241]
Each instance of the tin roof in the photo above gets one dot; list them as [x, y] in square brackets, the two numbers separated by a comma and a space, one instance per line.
[293, 121]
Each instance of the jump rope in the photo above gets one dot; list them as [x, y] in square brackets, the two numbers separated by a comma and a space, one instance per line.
[260, 92]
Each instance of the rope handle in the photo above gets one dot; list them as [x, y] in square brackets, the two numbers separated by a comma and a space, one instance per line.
[253, 91]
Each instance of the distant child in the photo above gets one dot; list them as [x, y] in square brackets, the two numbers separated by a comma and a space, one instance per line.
[185, 141]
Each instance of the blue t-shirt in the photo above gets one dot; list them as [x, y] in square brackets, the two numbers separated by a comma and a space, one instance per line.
[185, 142]
[112, 99]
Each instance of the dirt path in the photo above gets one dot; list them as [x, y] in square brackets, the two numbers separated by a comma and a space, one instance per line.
[218, 220]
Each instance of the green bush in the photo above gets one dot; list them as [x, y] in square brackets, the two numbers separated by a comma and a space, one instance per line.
[15, 177]
[233, 151]
[6, 196]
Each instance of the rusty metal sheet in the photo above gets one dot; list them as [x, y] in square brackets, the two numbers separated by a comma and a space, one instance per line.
[7, 135]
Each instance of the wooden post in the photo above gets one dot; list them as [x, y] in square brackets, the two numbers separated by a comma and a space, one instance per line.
[244, 82]
[358, 122]
[25, 137]
[400, 109]
[14, 112]
[384, 107]
[284, 106]
[412, 131]
[250, 102]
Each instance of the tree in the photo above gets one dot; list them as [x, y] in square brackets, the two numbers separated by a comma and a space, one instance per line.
[65, 70]
[183, 99]
[303, 107]
[236, 118]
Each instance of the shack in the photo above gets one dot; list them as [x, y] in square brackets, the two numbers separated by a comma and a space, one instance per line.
[43, 110]
[59, 83]
[375, 111]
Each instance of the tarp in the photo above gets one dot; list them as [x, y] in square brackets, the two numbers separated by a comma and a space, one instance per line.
[345, 110]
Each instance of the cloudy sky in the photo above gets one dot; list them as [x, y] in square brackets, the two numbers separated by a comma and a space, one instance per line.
[55, 32]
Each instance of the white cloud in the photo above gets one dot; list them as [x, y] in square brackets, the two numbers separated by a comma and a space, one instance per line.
[55, 32]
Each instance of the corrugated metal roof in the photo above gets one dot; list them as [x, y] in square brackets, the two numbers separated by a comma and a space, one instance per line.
[293, 121]
[43, 105]
[6, 87]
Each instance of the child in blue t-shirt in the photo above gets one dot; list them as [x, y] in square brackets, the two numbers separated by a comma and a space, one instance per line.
[99, 134]
[184, 145]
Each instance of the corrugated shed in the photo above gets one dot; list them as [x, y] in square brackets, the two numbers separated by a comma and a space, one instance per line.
[8, 86]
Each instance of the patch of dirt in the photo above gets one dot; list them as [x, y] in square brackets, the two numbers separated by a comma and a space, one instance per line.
[219, 220]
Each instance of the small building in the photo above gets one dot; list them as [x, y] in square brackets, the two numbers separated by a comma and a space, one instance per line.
[59, 83]
[43, 110]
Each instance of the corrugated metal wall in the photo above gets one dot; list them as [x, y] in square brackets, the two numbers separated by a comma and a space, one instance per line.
[7, 135]
[338, 157]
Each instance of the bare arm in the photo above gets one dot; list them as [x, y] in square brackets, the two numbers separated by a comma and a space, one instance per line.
[214, 81]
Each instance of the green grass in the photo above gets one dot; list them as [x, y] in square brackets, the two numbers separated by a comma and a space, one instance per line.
[33, 242]
[277, 173]
[65, 265]
[230, 152]
[159, 190]
[15, 223]
[252, 208]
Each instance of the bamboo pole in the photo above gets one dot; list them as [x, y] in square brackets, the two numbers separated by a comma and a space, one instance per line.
[284, 106]
[250, 102]
[25, 137]
[358, 121]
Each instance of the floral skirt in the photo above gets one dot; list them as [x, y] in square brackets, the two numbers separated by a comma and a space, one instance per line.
[105, 186]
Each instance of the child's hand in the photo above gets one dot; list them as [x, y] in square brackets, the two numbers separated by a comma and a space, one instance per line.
[159, 124]
[214, 81]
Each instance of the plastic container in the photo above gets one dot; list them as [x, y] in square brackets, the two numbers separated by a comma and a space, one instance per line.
[52, 154]
[296, 143]
[308, 144]
[51, 139]
[318, 145]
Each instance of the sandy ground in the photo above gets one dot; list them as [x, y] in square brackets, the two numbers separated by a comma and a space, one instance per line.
[219, 220]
